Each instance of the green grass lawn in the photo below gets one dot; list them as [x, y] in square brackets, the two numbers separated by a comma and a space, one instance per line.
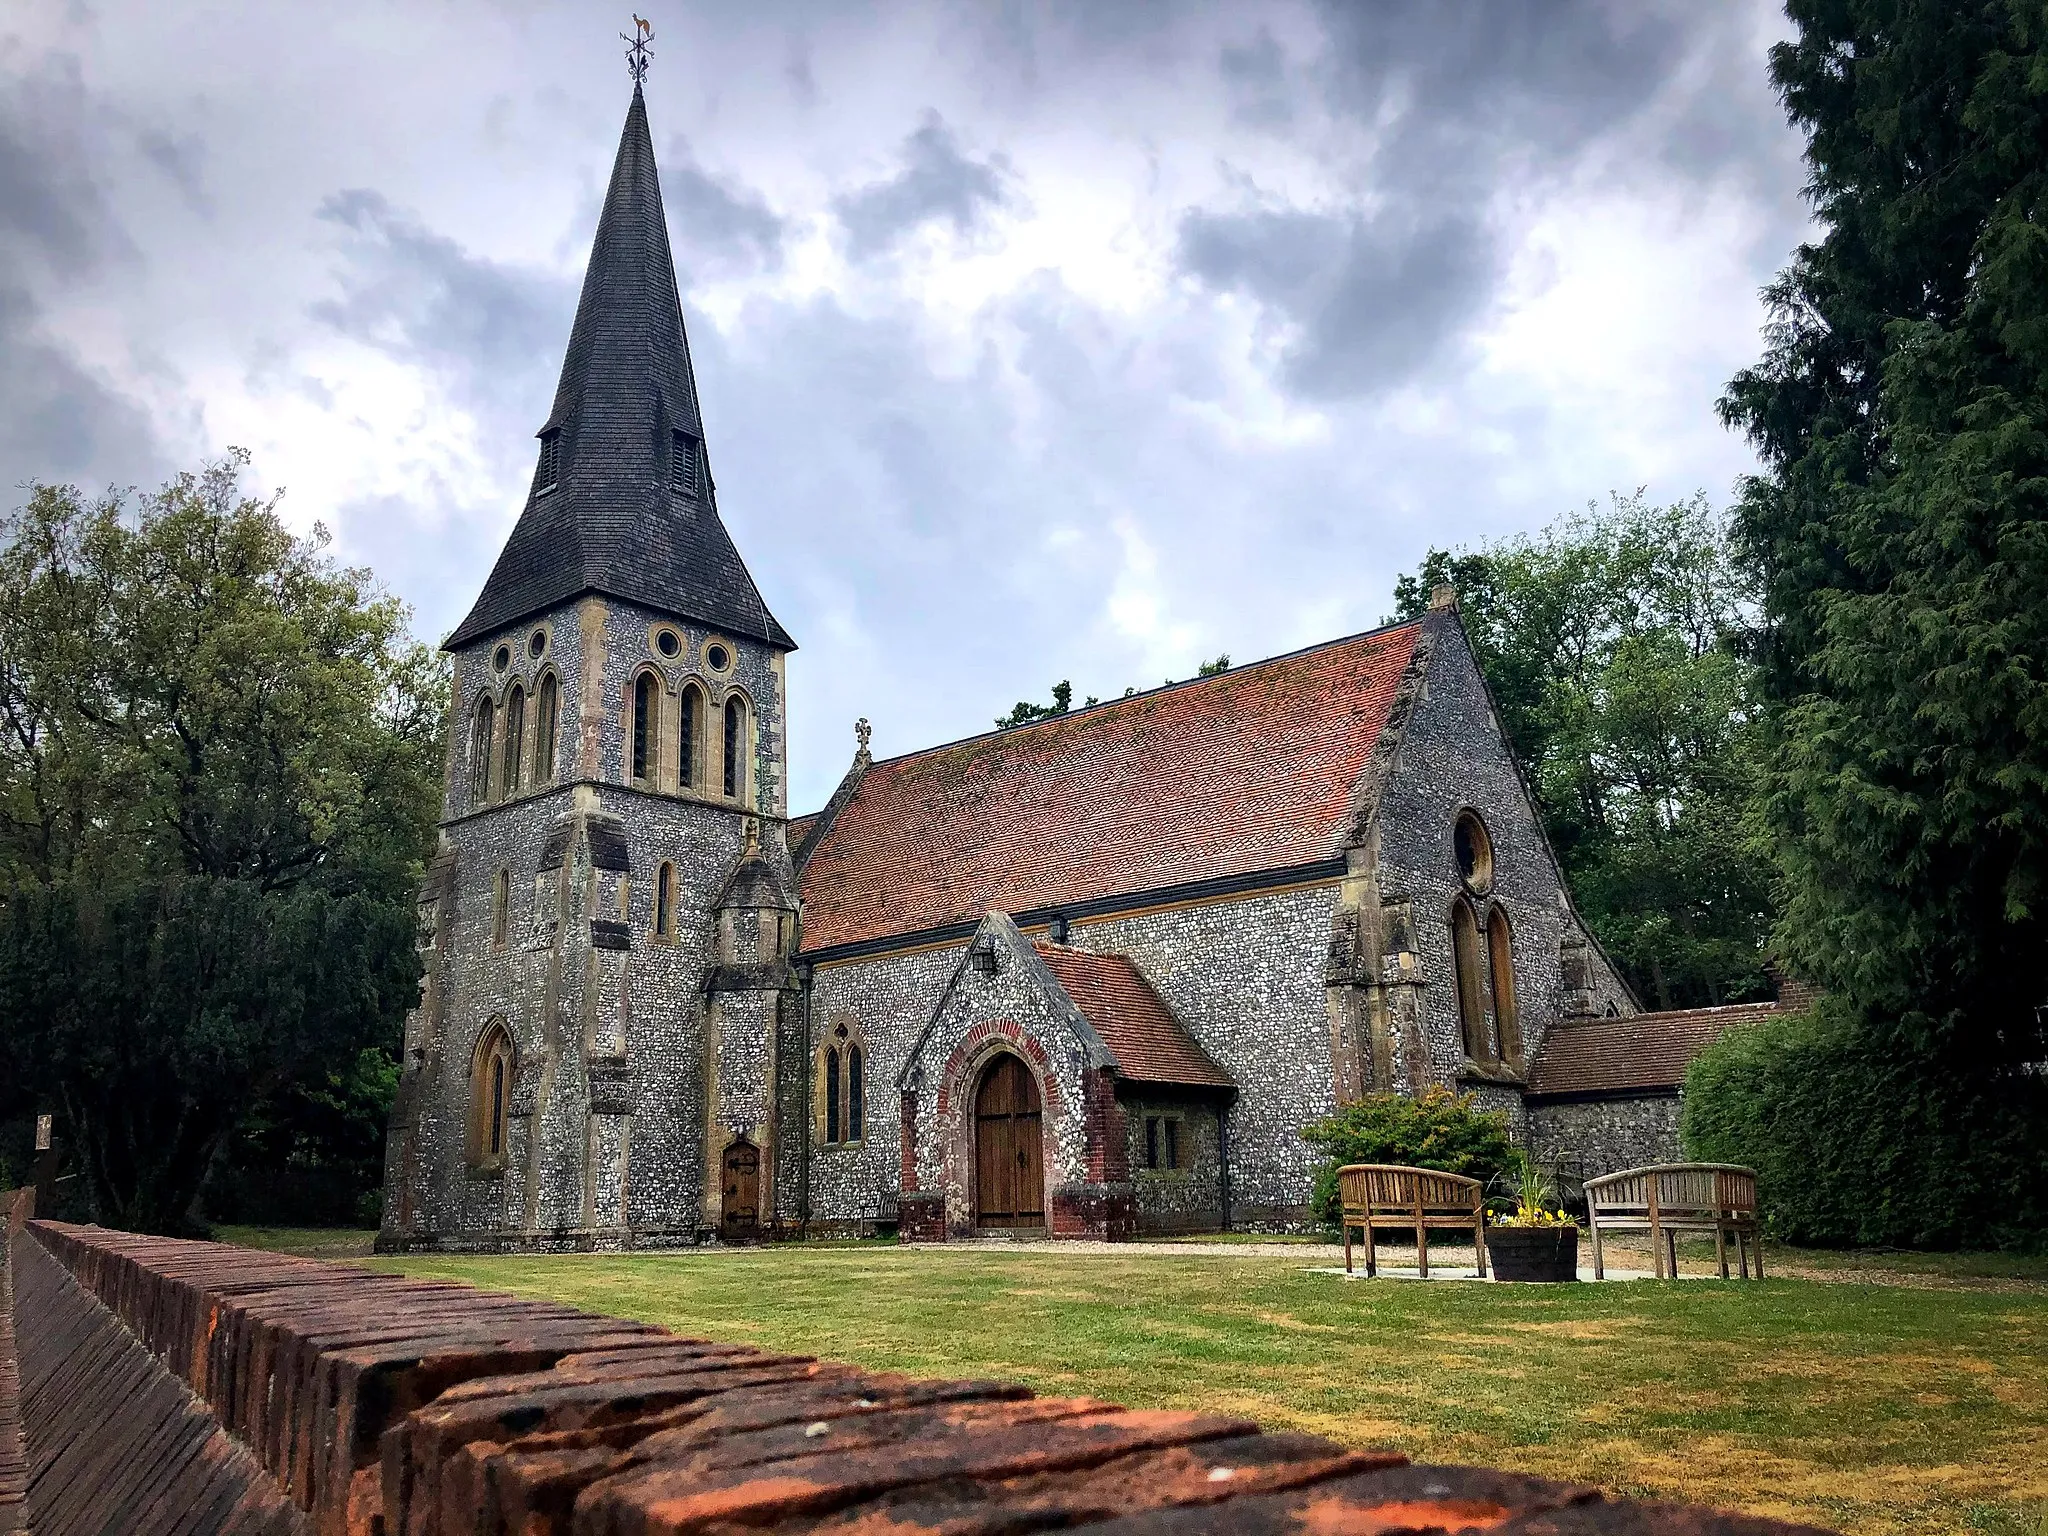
[1890, 1407]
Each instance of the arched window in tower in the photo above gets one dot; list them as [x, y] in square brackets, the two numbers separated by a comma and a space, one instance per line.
[1500, 946]
[546, 721]
[856, 1108]
[1470, 963]
[690, 737]
[490, 1095]
[831, 1094]
[515, 741]
[645, 727]
[735, 746]
[665, 902]
[501, 908]
[480, 744]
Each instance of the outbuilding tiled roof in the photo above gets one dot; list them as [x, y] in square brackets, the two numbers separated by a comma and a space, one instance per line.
[1149, 1043]
[614, 522]
[1645, 1052]
[1248, 771]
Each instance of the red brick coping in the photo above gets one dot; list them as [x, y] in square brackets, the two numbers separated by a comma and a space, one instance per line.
[424, 1408]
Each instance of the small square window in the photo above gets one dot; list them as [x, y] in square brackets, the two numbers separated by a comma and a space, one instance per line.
[686, 466]
[550, 460]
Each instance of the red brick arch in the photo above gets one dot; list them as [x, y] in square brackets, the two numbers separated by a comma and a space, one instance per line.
[954, 1109]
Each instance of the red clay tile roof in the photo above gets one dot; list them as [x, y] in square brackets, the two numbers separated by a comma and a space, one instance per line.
[798, 829]
[1645, 1051]
[1149, 1043]
[1229, 775]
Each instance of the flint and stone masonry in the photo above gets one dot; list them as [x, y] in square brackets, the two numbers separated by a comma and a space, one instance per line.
[657, 1011]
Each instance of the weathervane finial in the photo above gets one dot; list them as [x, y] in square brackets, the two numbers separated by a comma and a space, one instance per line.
[636, 48]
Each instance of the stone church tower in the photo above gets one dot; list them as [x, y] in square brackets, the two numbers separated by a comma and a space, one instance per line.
[609, 919]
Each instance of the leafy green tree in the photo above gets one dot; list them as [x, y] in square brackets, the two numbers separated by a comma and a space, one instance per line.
[1613, 645]
[1025, 712]
[219, 763]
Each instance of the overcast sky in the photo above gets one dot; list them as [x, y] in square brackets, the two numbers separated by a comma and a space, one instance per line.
[1035, 341]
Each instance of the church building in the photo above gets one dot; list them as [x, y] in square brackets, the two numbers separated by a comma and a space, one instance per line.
[1089, 977]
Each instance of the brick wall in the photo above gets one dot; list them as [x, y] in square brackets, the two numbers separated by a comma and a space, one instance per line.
[353, 1402]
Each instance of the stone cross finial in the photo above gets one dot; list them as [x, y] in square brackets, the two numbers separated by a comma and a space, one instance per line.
[862, 733]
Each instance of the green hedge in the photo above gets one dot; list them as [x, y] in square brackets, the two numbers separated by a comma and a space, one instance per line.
[1873, 1138]
[1440, 1130]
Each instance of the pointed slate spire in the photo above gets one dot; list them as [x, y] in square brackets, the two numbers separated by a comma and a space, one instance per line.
[610, 510]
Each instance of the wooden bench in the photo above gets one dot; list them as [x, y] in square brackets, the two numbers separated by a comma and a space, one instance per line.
[1384, 1197]
[1671, 1198]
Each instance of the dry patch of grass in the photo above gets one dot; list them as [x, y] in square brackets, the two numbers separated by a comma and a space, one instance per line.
[1872, 1409]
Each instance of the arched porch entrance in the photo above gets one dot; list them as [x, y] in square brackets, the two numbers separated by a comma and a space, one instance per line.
[1009, 1164]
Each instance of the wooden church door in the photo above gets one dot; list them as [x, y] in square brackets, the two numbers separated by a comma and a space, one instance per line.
[740, 1203]
[1009, 1186]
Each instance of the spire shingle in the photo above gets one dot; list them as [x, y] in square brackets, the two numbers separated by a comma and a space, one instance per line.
[614, 522]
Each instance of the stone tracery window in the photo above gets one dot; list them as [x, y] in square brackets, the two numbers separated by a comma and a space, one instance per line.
[665, 902]
[842, 1089]
[646, 728]
[490, 1095]
[1469, 966]
[1507, 1022]
[690, 736]
[735, 746]
[501, 908]
[546, 722]
[515, 741]
[481, 741]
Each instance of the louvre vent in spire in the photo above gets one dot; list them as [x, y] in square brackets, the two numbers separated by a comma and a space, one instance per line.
[685, 463]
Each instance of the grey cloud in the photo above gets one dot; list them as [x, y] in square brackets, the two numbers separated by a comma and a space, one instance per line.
[1449, 100]
[937, 181]
[182, 158]
[1371, 304]
[50, 202]
[1256, 76]
[718, 220]
[59, 418]
[493, 329]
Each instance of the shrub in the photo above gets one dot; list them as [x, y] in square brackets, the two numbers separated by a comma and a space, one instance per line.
[1440, 1130]
[1862, 1136]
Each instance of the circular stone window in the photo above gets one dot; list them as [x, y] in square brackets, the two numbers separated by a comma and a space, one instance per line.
[717, 657]
[1474, 849]
[501, 658]
[668, 642]
[537, 644]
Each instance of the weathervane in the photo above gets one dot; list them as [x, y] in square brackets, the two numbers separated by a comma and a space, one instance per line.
[636, 48]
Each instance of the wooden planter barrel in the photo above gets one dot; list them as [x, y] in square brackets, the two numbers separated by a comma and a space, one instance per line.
[1533, 1253]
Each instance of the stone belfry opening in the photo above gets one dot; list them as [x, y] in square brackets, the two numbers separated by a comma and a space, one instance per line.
[615, 782]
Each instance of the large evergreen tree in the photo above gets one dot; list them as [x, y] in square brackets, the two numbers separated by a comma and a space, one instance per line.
[1901, 532]
[218, 761]
[1901, 410]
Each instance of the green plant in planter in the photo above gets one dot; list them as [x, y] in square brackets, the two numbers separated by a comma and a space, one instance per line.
[1531, 1198]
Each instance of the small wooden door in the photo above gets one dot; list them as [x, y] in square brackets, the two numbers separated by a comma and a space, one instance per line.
[740, 1196]
[1009, 1186]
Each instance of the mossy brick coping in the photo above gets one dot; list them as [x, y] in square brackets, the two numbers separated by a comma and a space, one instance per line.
[382, 1406]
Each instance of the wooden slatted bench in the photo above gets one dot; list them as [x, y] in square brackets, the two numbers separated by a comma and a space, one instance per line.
[1669, 1198]
[1385, 1197]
